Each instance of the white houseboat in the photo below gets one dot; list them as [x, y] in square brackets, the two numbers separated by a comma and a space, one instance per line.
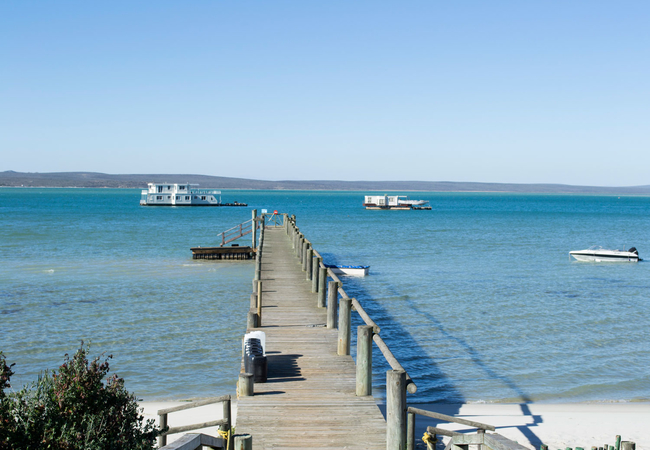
[174, 194]
[393, 202]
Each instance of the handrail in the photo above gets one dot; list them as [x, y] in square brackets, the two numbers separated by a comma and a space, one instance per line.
[446, 418]
[196, 404]
[196, 426]
[364, 316]
[390, 358]
[394, 364]
[224, 423]
[236, 232]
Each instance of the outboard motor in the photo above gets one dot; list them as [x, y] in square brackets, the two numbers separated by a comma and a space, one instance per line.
[633, 250]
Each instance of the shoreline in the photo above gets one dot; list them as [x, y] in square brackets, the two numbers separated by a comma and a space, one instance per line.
[558, 425]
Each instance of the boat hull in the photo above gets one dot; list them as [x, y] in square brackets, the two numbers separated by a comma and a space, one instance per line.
[354, 271]
[588, 256]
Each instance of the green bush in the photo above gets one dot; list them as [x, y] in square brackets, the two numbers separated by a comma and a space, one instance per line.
[72, 409]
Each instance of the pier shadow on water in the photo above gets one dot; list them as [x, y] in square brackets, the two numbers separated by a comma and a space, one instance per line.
[436, 390]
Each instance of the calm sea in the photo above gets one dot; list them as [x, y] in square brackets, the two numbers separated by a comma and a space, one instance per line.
[477, 298]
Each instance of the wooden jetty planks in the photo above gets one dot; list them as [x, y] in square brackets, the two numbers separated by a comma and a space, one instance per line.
[309, 400]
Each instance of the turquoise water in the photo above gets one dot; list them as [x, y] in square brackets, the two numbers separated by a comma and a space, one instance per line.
[477, 298]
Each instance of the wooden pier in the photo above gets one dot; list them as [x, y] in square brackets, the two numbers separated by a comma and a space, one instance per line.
[313, 394]
[309, 400]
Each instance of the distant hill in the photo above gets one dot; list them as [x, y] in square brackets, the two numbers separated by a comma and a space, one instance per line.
[102, 180]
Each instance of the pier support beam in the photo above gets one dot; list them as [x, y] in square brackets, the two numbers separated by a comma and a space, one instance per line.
[395, 410]
[364, 360]
[332, 303]
[345, 330]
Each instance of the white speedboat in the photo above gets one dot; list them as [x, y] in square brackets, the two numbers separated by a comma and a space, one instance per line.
[357, 271]
[599, 254]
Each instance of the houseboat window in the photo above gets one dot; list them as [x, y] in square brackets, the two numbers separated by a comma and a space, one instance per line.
[182, 188]
[187, 197]
[203, 197]
[178, 197]
[169, 187]
[169, 196]
[159, 188]
[158, 197]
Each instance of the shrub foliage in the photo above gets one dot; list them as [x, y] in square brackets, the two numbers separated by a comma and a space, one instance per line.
[72, 409]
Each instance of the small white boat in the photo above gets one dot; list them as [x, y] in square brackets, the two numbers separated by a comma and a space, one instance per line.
[356, 271]
[394, 202]
[599, 254]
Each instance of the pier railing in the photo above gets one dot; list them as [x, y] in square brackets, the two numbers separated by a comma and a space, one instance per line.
[329, 287]
[236, 232]
[400, 419]
[224, 424]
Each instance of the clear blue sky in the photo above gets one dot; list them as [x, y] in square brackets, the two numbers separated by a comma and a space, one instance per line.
[494, 91]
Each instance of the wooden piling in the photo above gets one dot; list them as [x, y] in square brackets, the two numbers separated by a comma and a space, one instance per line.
[345, 328]
[259, 303]
[254, 227]
[252, 321]
[162, 422]
[315, 268]
[226, 408]
[245, 386]
[332, 303]
[395, 410]
[322, 286]
[303, 259]
[309, 260]
[364, 360]
[243, 441]
[628, 445]
[410, 431]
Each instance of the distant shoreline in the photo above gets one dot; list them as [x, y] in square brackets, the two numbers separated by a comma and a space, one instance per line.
[139, 181]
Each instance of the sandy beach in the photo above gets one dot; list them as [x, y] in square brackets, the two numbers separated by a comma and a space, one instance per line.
[556, 425]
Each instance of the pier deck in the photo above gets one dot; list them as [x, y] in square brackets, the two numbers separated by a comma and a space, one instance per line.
[309, 400]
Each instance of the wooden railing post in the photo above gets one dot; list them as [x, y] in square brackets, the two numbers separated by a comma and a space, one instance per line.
[162, 422]
[395, 410]
[245, 386]
[364, 360]
[315, 266]
[309, 260]
[345, 329]
[259, 303]
[303, 259]
[254, 227]
[322, 286]
[243, 442]
[332, 303]
[226, 416]
[410, 431]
